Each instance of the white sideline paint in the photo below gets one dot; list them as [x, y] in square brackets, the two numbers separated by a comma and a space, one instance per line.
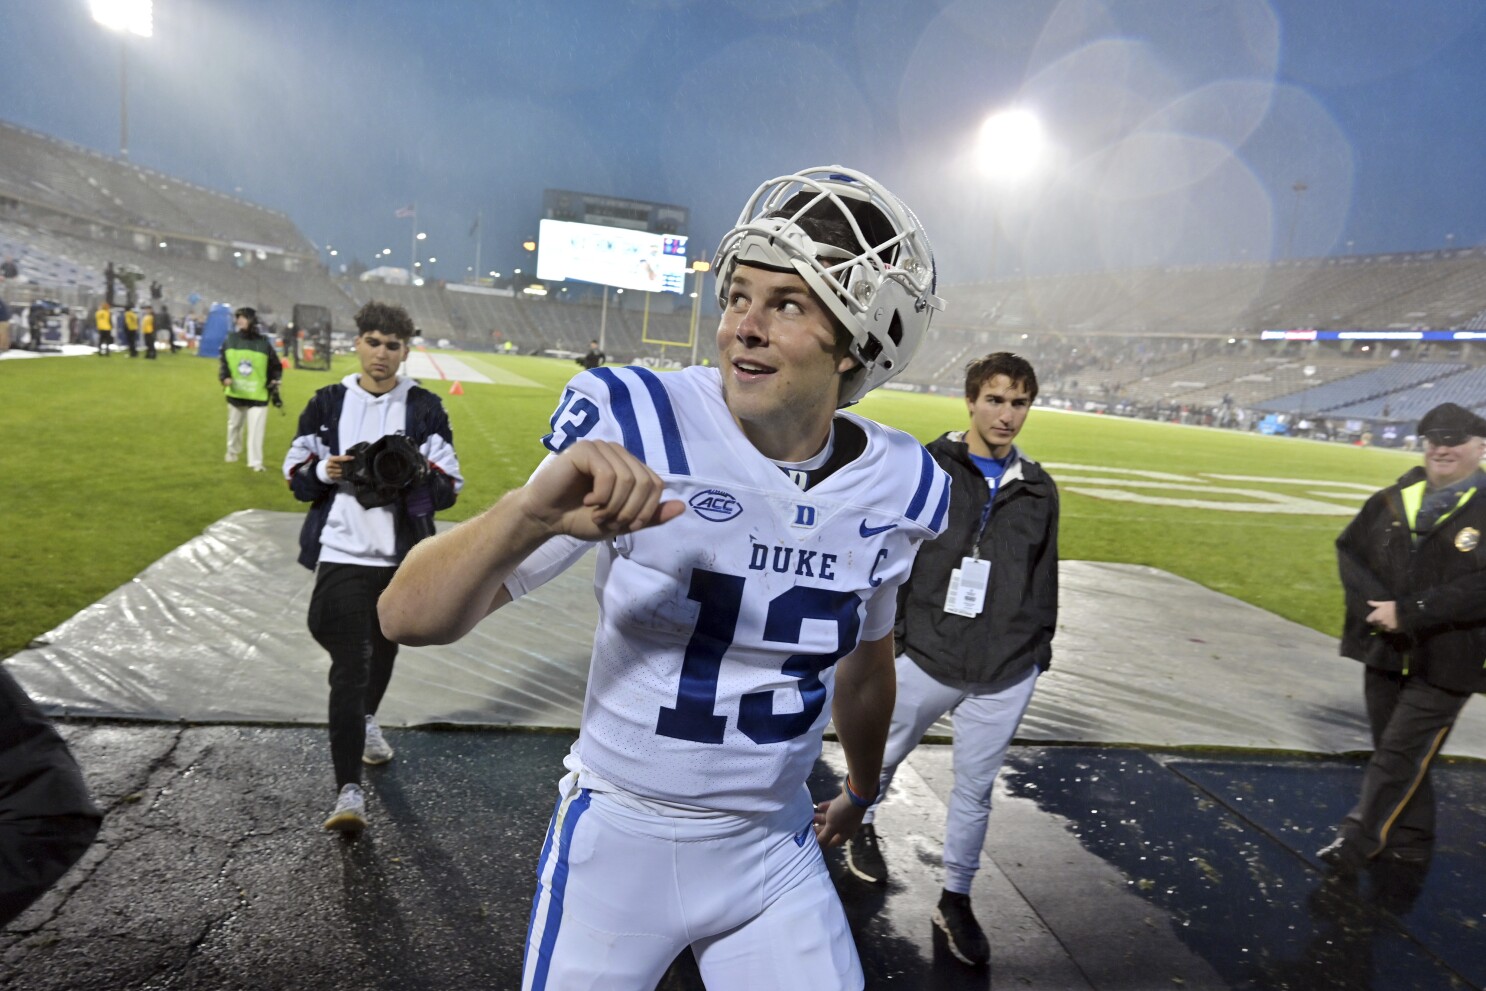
[424, 366]
[1100, 482]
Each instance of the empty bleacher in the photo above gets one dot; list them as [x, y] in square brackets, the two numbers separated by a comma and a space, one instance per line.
[1392, 378]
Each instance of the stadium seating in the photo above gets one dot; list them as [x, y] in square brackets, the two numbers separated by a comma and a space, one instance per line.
[1162, 338]
[1376, 384]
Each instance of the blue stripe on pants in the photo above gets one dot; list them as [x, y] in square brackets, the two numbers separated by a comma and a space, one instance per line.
[567, 821]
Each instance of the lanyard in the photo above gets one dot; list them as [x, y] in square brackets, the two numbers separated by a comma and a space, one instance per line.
[985, 512]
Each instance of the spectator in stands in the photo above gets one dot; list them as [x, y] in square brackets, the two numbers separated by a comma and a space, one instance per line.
[594, 358]
[131, 330]
[249, 371]
[355, 535]
[974, 629]
[147, 329]
[1416, 618]
[104, 321]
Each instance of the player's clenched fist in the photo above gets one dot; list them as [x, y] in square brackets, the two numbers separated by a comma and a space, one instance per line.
[597, 489]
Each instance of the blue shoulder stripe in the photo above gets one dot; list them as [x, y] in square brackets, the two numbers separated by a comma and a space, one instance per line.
[925, 485]
[670, 430]
[623, 408]
[938, 521]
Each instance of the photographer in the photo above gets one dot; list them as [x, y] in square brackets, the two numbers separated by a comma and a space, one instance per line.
[375, 456]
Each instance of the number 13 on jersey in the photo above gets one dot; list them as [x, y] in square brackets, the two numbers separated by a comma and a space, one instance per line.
[720, 597]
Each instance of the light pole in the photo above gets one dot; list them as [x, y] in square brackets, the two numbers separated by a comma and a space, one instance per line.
[700, 268]
[127, 17]
[1299, 187]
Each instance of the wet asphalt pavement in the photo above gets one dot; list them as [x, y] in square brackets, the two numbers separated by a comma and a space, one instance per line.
[1107, 868]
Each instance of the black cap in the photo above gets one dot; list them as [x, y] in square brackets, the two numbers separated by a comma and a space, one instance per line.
[1448, 425]
[247, 311]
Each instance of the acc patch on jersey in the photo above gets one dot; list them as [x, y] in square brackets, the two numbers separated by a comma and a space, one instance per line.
[1467, 538]
[715, 505]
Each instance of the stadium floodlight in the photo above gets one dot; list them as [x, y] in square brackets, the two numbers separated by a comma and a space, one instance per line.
[1008, 149]
[1010, 144]
[131, 16]
[127, 17]
[422, 236]
[432, 260]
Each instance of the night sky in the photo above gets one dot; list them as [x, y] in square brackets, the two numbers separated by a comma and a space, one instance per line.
[1179, 128]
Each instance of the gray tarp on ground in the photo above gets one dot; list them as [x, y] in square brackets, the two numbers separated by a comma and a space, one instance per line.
[215, 632]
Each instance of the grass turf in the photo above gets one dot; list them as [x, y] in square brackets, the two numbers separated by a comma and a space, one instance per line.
[111, 463]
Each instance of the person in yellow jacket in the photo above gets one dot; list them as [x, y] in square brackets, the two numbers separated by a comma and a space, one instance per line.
[104, 321]
[131, 331]
[249, 371]
[147, 329]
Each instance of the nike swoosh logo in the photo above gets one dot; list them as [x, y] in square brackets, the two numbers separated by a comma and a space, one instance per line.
[872, 531]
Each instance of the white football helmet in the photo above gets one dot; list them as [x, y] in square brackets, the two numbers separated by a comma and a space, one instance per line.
[881, 288]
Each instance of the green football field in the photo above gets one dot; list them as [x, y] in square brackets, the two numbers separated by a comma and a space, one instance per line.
[111, 463]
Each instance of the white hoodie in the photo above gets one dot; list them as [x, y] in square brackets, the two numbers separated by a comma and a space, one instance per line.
[354, 534]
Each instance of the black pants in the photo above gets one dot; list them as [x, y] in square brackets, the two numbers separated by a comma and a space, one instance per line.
[1410, 721]
[343, 620]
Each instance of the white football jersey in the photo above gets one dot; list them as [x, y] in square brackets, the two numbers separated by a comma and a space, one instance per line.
[713, 662]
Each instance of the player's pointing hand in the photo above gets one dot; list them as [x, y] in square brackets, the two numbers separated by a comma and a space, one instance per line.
[597, 489]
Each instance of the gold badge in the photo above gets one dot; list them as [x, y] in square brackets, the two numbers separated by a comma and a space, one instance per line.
[1467, 538]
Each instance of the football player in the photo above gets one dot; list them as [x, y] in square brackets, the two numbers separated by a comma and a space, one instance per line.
[751, 535]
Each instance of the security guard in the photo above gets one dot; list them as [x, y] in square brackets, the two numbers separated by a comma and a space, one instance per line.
[1414, 572]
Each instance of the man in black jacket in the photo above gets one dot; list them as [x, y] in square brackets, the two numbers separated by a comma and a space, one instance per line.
[975, 627]
[375, 457]
[47, 820]
[1414, 573]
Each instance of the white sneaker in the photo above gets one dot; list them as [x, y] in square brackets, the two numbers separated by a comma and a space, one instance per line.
[376, 750]
[350, 811]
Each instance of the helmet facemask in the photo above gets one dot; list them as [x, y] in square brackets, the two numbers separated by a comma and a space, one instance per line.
[869, 263]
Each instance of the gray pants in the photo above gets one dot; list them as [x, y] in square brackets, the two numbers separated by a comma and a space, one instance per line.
[985, 720]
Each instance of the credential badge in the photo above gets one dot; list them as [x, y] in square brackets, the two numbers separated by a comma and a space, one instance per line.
[1467, 538]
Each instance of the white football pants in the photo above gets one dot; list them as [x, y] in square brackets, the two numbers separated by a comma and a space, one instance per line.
[984, 723]
[621, 892]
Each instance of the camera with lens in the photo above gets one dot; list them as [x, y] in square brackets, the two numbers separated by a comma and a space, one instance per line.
[383, 470]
